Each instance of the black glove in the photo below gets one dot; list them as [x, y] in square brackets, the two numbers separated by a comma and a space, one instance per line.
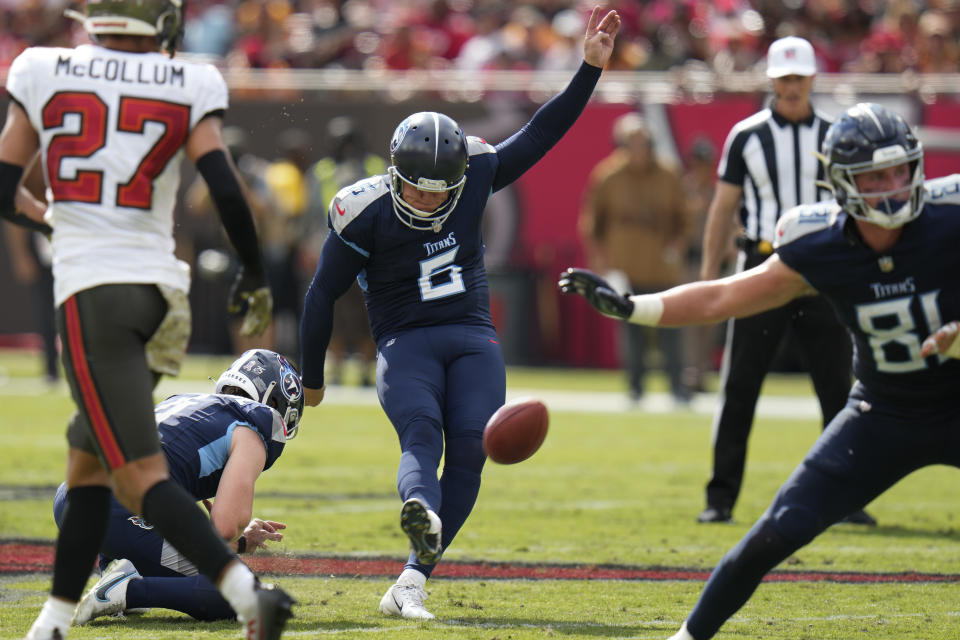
[251, 294]
[597, 291]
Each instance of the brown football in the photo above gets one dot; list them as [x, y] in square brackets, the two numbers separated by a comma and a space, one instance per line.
[515, 431]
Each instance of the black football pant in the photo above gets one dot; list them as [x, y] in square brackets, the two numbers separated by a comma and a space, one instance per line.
[826, 352]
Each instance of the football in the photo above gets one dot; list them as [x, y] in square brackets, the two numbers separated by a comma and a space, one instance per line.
[515, 431]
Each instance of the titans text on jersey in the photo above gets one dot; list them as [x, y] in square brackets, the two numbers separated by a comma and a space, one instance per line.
[889, 302]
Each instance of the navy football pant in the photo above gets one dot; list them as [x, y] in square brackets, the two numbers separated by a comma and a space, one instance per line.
[867, 448]
[169, 580]
[439, 386]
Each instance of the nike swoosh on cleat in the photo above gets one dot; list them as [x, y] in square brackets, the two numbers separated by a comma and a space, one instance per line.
[397, 602]
[102, 591]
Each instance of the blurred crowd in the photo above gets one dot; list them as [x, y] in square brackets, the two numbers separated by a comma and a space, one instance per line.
[724, 35]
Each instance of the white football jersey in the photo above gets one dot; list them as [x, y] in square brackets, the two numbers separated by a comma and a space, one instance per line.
[112, 127]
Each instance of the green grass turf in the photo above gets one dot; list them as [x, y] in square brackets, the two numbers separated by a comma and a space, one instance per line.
[618, 488]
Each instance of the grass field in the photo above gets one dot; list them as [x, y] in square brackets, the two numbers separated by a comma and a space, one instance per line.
[614, 488]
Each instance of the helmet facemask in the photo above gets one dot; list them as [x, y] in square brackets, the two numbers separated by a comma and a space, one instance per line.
[428, 151]
[896, 207]
[417, 218]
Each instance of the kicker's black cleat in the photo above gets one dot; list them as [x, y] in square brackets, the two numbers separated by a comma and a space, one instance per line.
[274, 608]
[422, 526]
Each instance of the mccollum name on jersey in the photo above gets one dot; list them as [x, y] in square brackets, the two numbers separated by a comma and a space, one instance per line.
[117, 70]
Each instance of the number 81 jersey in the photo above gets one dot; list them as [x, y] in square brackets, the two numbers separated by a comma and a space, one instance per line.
[889, 301]
[112, 126]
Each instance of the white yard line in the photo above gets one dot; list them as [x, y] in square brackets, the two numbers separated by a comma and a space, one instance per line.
[799, 407]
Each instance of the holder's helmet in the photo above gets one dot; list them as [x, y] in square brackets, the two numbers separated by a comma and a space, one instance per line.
[428, 151]
[267, 377]
[867, 137]
[162, 19]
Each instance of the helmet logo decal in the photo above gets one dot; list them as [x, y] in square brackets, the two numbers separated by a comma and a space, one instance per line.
[291, 385]
[399, 135]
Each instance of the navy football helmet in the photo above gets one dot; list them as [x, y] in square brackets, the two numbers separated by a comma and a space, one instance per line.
[160, 18]
[267, 377]
[428, 151]
[865, 138]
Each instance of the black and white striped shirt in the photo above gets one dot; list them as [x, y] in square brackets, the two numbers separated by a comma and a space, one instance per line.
[773, 160]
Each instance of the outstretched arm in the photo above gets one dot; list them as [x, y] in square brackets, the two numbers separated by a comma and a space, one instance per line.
[767, 286]
[551, 121]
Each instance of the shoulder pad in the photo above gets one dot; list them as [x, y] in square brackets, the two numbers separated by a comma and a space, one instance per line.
[945, 190]
[805, 219]
[476, 146]
[351, 201]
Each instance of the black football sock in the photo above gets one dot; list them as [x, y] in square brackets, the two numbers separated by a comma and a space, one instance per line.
[83, 529]
[177, 518]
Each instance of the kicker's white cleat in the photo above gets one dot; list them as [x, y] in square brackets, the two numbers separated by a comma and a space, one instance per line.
[109, 596]
[422, 526]
[405, 600]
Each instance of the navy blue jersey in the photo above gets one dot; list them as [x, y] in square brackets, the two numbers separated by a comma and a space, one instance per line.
[890, 302]
[415, 278]
[195, 432]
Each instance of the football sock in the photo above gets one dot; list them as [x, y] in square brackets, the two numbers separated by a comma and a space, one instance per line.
[55, 614]
[83, 529]
[176, 517]
[412, 577]
[195, 596]
[237, 587]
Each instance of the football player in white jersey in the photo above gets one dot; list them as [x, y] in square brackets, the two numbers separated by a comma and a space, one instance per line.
[111, 122]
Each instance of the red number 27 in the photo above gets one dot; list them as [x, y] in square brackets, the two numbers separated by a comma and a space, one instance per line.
[134, 113]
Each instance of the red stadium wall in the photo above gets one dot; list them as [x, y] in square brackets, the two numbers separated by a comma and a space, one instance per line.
[537, 325]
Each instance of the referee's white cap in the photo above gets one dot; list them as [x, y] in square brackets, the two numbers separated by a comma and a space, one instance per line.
[791, 56]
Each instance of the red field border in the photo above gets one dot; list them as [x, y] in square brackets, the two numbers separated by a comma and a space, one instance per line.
[37, 557]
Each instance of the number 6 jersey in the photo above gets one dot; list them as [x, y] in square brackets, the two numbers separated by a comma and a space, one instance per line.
[112, 126]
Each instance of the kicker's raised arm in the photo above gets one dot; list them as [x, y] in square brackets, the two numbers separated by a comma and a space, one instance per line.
[552, 120]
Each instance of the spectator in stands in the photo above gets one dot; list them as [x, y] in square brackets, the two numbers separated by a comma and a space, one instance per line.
[634, 223]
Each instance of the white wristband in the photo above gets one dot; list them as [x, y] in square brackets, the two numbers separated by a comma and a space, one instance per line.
[647, 309]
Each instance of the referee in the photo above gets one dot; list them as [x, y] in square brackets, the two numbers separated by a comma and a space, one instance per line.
[768, 166]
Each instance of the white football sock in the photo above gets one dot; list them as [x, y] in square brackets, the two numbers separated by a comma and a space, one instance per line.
[237, 589]
[55, 614]
[412, 577]
[683, 634]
